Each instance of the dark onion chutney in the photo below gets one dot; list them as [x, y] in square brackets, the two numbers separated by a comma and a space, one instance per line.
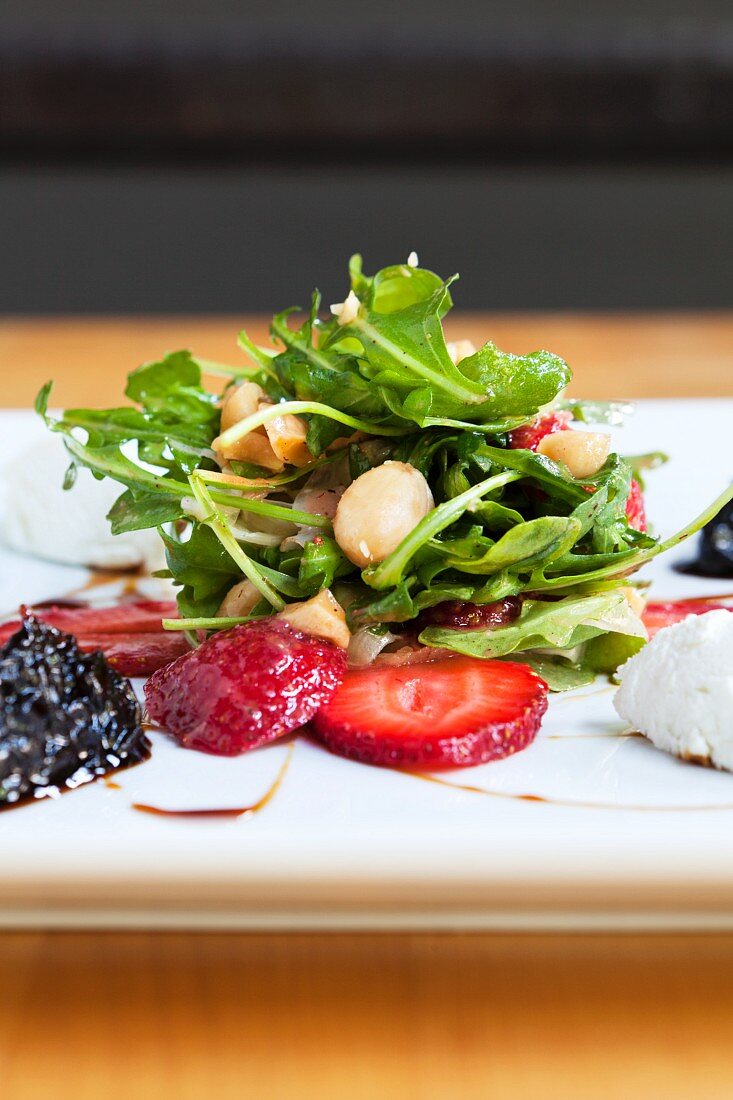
[66, 717]
[715, 548]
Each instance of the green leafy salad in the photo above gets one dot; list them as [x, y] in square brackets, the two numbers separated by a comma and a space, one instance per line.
[258, 497]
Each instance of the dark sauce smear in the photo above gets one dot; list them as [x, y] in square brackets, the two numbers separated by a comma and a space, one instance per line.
[66, 717]
[715, 547]
[225, 811]
[233, 811]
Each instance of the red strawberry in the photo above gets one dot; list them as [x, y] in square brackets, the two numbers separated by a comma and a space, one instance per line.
[137, 654]
[245, 687]
[142, 616]
[441, 715]
[658, 615]
[635, 511]
[529, 435]
[130, 635]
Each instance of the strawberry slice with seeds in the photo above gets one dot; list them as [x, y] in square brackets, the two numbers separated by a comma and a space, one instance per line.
[139, 654]
[445, 714]
[139, 617]
[635, 510]
[135, 654]
[660, 614]
[528, 436]
[245, 687]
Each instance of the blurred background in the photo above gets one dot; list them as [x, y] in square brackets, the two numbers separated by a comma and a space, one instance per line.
[166, 157]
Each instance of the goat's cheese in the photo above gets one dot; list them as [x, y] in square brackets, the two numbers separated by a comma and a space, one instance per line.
[678, 690]
[39, 517]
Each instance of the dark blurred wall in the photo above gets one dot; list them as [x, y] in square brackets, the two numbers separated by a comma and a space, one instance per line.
[191, 157]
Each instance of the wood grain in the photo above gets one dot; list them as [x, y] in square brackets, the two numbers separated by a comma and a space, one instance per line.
[400, 1017]
[409, 1017]
[611, 356]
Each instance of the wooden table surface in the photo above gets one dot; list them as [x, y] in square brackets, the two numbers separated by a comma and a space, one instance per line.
[353, 1017]
[612, 356]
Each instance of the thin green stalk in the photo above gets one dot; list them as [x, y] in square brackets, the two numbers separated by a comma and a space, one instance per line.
[223, 370]
[215, 623]
[632, 560]
[270, 508]
[315, 408]
[496, 428]
[291, 340]
[257, 484]
[215, 521]
[390, 572]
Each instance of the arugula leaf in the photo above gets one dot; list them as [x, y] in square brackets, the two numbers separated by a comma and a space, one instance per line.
[523, 547]
[136, 511]
[515, 385]
[562, 625]
[322, 561]
[559, 673]
[201, 564]
[406, 348]
[109, 461]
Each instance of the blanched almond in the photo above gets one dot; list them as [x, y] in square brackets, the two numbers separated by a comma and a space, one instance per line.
[239, 601]
[322, 617]
[254, 447]
[287, 439]
[241, 402]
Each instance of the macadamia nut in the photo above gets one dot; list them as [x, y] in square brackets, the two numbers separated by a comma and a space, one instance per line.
[582, 452]
[379, 510]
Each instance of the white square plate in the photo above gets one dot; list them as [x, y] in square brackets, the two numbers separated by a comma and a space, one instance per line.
[615, 834]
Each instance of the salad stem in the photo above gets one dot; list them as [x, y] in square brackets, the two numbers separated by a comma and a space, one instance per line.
[223, 370]
[390, 572]
[270, 508]
[315, 408]
[210, 623]
[230, 544]
[632, 560]
[235, 481]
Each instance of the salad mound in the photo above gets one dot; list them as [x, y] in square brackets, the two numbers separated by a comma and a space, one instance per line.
[382, 487]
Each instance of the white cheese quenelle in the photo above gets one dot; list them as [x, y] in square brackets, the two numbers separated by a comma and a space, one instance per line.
[678, 690]
[39, 517]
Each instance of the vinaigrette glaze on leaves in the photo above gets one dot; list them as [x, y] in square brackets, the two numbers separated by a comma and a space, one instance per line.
[371, 382]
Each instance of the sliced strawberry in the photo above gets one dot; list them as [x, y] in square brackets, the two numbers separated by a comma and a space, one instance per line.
[138, 654]
[529, 435]
[635, 511]
[143, 616]
[245, 687]
[658, 615]
[441, 715]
